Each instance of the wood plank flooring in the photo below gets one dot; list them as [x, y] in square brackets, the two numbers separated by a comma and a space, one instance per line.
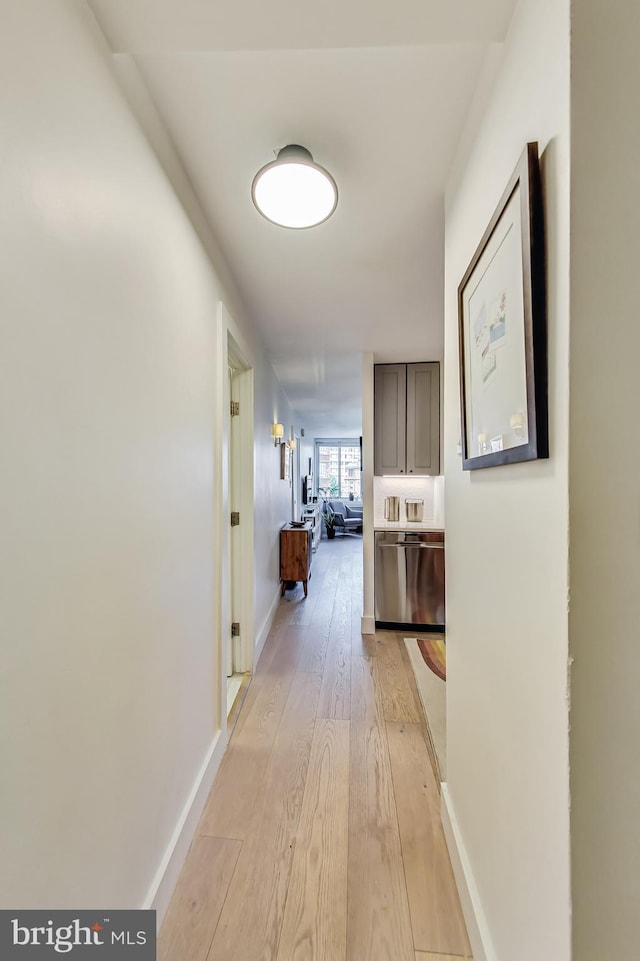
[321, 839]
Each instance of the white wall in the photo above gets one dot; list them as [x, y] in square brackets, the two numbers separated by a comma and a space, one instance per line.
[110, 680]
[605, 465]
[507, 544]
[273, 496]
[367, 623]
[307, 450]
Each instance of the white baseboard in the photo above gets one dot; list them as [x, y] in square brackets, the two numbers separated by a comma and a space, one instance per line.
[474, 916]
[368, 625]
[266, 627]
[166, 877]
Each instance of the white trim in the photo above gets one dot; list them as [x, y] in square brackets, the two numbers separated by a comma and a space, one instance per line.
[227, 347]
[266, 626]
[368, 605]
[221, 585]
[166, 877]
[474, 916]
[243, 588]
[368, 625]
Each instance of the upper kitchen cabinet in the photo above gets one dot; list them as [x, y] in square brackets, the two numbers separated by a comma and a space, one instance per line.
[407, 418]
[423, 418]
[390, 418]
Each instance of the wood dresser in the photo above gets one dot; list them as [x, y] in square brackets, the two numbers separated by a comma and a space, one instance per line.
[295, 555]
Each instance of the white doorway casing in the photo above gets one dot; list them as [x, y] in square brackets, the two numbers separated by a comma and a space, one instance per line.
[368, 615]
[241, 500]
[231, 601]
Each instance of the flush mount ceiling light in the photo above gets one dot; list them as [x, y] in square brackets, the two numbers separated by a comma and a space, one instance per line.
[293, 191]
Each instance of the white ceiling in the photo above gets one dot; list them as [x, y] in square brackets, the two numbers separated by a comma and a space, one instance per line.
[378, 91]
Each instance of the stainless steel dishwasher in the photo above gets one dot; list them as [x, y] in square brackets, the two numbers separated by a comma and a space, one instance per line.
[409, 579]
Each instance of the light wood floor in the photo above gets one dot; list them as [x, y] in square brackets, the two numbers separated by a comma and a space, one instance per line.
[321, 839]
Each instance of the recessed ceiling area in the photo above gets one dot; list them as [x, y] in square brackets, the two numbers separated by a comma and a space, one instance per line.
[379, 93]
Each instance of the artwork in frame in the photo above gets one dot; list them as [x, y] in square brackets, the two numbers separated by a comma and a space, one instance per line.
[502, 330]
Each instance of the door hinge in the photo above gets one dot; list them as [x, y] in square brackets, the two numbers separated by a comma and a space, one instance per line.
[235, 629]
[235, 518]
[235, 408]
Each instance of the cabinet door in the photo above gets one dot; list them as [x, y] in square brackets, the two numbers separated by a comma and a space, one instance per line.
[389, 418]
[423, 418]
[295, 554]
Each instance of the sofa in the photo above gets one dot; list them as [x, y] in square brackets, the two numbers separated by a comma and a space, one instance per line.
[347, 515]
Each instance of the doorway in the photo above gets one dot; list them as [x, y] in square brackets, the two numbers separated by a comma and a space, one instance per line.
[233, 549]
[239, 639]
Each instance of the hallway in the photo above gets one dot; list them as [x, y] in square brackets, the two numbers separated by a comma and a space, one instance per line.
[321, 838]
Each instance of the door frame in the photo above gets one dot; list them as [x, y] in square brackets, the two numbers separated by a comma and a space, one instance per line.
[226, 348]
[242, 590]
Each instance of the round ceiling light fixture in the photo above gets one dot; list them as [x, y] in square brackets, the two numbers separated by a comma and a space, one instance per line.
[293, 191]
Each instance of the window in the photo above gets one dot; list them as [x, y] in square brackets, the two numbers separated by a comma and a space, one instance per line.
[338, 467]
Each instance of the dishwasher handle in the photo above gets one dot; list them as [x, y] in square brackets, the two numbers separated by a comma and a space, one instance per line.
[413, 544]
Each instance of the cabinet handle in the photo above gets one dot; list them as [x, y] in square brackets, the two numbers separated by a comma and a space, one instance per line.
[414, 545]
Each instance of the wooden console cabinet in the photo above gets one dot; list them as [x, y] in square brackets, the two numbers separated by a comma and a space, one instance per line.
[295, 555]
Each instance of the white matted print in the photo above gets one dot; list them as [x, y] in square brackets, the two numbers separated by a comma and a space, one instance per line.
[495, 361]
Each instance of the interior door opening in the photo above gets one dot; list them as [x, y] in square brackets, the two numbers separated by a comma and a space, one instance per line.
[239, 639]
[234, 677]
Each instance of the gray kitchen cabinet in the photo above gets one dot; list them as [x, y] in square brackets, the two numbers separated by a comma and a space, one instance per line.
[389, 418]
[423, 418]
[407, 418]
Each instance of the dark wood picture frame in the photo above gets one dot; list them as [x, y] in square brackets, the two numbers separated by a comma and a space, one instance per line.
[502, 329]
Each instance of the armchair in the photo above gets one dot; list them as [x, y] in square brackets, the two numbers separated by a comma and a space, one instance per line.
[346, 518]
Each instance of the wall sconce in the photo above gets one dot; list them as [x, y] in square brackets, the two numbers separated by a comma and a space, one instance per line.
[277, 432]
[292, 444]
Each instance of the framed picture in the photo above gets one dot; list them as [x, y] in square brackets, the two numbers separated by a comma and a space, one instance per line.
[502, 331]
